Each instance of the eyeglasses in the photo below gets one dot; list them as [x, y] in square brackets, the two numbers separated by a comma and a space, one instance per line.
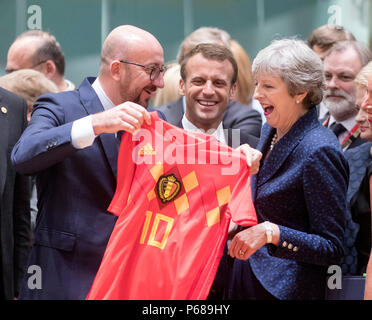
[39, 63]
[154, 71]
[32, 67]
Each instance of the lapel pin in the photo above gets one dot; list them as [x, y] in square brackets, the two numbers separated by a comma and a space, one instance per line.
[4, 110]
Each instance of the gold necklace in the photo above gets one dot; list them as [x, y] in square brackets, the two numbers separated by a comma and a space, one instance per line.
[273, 141]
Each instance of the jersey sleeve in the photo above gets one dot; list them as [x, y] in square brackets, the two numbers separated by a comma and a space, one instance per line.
[241, 207]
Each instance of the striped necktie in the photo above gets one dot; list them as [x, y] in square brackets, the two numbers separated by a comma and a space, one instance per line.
[337, 128]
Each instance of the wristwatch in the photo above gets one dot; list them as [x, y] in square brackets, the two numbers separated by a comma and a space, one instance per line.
[269, 232]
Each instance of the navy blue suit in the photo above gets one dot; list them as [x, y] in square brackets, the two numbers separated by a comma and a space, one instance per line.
[75, 188]
[301, 187]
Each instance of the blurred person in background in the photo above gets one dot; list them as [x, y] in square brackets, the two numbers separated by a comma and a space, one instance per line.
[321, 40]
[39, 50]
[361, 202]
[341, 65]
[245, 83]
[360, 170]
[325, 37]
[170, 92]
[29, 84]
[203, 35]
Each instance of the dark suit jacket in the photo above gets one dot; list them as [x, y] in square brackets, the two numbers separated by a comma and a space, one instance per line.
[302, 187]
[356, 141]
[237, 116]
[75, 188]
[14, 197]
[359, 159]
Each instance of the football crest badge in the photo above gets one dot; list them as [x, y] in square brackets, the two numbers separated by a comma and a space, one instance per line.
[168, 187]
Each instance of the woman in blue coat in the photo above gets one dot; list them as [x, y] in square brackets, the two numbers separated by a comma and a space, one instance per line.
[300, 190]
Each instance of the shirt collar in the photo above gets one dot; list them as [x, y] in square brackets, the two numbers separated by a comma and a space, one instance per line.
[184, 104]
[219, 133]
[105, 100]
[348, 123]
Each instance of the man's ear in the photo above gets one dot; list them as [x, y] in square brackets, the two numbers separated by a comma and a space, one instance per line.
[49, 68]
[233, 91]
[181, 89]
[115, 70]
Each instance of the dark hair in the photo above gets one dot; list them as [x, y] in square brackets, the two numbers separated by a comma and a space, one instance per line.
[211, 51]
[49, 49]
[327, 35]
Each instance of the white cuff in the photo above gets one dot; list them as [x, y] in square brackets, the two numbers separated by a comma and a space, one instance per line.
[82, 134]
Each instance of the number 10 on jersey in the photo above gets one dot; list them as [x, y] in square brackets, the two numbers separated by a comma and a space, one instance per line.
[155, 225]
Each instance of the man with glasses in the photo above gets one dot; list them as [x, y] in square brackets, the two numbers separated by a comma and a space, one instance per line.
[72, 146]
[39, 50]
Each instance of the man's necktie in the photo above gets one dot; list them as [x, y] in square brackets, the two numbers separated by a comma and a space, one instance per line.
[119, 135]
[337, 128]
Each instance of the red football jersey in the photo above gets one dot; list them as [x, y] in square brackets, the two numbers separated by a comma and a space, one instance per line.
[176, 193]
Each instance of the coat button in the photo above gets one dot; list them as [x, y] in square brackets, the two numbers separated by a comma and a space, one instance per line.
[295, 249]
[4, 110]
[290, 246]
[284, 244]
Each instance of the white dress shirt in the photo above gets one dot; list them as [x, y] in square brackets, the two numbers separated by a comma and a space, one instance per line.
[82, 134]
[348, 124]
[218, 133]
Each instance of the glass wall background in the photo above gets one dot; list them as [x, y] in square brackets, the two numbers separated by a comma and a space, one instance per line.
[81, 25]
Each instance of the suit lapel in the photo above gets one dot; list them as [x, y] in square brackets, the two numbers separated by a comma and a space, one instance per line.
[356, 142]
[179, 124]
[4, 136]
[93, 105]
[284, 147]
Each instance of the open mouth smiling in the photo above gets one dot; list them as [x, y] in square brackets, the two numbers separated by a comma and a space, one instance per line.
[205, 103]
[268, 110]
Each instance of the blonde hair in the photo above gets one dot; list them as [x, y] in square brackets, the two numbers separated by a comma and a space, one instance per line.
[361, 82]
[171, 86]
[28, 83]
[362, 77]
[245, 83]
